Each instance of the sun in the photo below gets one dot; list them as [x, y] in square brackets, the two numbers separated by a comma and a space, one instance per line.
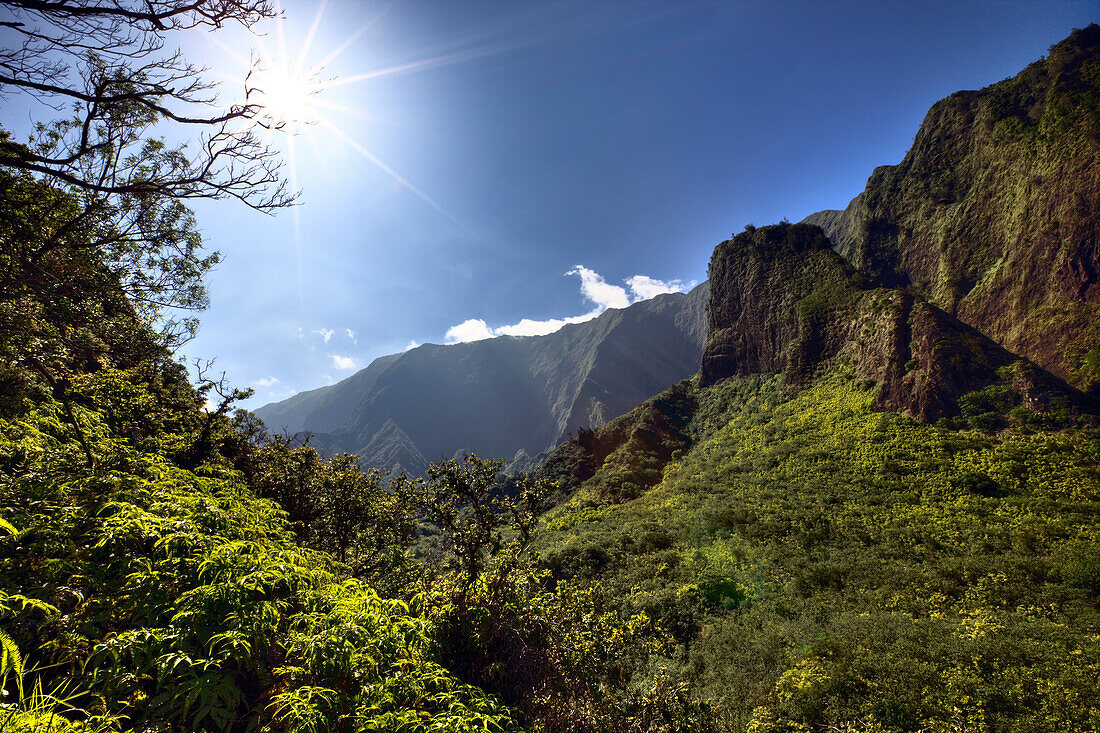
[285, 93]
[286, 96]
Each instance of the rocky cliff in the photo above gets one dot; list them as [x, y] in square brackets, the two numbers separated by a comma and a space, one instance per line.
[782, 301]
[994, 213]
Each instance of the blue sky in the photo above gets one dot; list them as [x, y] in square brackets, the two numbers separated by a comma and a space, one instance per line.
[488, 162]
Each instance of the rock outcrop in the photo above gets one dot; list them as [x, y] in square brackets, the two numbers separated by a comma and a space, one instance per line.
[994, 213]
[782, 301]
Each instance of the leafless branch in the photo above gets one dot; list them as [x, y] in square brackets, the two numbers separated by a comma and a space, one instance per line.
[106, 61]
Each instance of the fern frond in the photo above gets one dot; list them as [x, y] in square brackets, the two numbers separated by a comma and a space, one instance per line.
[11, 662]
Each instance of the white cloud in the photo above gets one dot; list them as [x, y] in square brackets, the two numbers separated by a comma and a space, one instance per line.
[644, 287]
[594, 288]
[325, 333]
[344, 362]
[601, 293]
[473, 329]
[528, 327]
[265, 382]
[412, 345]
[351, 335]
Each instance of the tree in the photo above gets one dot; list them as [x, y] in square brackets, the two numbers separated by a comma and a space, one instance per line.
[128, 84]
[484, 523]
[366, 520]
[103, 68]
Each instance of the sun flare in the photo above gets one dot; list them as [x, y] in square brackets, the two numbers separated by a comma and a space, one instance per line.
[285, 93]
[287, 96]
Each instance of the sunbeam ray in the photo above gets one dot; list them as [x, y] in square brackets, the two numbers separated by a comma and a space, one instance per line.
[397, 177]
[309, 36]
[354, 37]
[297, 223]
[446, 59]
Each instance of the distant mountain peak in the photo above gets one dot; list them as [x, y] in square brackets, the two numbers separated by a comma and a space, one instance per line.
[510, 397]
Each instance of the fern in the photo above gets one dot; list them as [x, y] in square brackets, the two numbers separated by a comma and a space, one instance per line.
[11, 662]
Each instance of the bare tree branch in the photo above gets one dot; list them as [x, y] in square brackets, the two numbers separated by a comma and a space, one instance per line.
[106, 61]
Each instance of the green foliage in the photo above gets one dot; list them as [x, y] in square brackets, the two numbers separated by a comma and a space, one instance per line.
[826, 564]
[364, 519]
[184, 600]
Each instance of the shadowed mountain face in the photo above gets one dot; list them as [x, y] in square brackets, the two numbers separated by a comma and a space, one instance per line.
[783, 302]
[510, 397]
[994, 214]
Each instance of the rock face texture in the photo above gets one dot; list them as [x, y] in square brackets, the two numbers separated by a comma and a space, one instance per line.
[782, 301]
[779, 303]
[994, 214]
[509, 397]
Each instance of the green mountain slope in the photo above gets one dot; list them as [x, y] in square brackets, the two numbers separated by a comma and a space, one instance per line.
[994, 213]
[824, 563]
[510, 397]
[877, 506]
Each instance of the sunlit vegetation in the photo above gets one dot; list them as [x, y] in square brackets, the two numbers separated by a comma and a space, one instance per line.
[823, 564]
[166, 565]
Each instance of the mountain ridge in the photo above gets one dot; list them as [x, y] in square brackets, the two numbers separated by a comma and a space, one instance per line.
[511, 397]
[993, 215]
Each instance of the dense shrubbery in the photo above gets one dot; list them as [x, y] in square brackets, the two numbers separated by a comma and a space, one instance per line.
[825, 564]
[168, 567]
[182, 600]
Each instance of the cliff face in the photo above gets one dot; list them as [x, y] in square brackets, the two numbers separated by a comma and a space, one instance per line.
[994, 213]
[505, 397]
[779, 299]
[783, 302]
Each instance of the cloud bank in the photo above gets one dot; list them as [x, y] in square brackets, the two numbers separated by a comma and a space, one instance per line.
[597, 291]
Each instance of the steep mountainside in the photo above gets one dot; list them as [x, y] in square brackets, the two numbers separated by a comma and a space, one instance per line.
[783, 302]
[877, 507]
[504, 397]
[994, 213]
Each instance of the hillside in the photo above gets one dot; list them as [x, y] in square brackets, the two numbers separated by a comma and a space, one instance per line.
[513, 397]
[823, 562]
[877, 506]
[994, 213]
[167, 565]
